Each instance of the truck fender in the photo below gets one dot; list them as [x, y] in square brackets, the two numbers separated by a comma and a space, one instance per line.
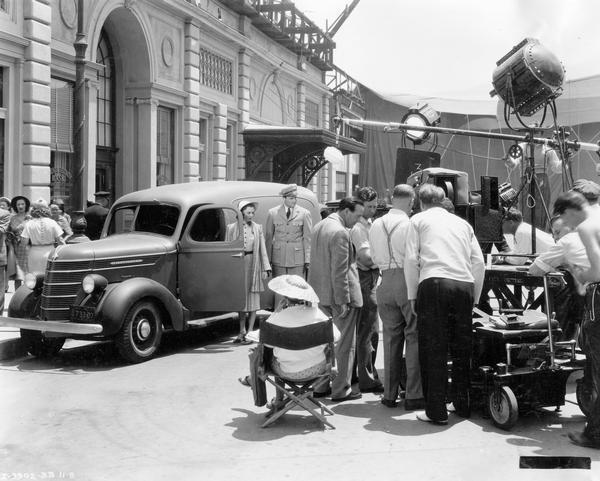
[24, 303]
[119, 299]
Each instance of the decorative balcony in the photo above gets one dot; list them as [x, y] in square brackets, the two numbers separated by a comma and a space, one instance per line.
[288, 26]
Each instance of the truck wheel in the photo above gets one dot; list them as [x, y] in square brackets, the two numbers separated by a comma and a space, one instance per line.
[585, 395]
[139, 338]
[503, 407]
[40, 346]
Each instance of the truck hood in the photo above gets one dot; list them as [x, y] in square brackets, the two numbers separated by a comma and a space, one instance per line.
[119, 245]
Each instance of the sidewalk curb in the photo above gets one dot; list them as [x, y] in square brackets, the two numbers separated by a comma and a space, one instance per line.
[11, 349]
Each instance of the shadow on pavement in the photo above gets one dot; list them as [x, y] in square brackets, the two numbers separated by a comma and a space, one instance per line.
[248, 425]
[103, 355]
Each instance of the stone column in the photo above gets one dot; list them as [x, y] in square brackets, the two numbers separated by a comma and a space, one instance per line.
[219, 170]
[146, 142]
[130, 147]
[244, 107]
[191, 111]
[300, 104]
[37, 18]
[325, 110]
[90, 139]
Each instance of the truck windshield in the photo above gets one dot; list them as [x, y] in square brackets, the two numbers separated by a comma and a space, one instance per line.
[153, 218]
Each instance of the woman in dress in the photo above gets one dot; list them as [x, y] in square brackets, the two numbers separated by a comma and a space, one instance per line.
[42, 234]
[256, 265]
[20, 206]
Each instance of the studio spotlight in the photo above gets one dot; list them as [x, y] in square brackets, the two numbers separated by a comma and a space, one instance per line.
[422, 116]
[528, 77]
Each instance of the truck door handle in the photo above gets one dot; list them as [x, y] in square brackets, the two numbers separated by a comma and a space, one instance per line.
[237, 255]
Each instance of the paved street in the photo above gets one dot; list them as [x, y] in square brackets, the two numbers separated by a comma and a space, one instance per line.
[184, 415]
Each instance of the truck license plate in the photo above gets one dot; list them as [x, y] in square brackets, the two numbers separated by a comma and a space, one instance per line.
[82, 314]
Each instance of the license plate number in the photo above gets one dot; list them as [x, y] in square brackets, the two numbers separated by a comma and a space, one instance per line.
[82, 314]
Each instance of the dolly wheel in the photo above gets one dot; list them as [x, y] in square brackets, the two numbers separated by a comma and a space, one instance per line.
[586, 396]
[503, 407]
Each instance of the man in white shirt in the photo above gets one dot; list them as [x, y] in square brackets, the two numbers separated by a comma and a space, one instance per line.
[444, 272]
[367, 330]
[514, 225]
[568, 253]
[388, 243]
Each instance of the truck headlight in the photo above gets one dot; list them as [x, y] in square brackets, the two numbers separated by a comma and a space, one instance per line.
[93, 283]
[34, 280]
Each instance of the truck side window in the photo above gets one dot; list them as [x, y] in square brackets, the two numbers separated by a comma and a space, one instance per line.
[210, 225]
[122, 220]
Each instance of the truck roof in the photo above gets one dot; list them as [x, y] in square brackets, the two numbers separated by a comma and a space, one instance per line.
[214, 192]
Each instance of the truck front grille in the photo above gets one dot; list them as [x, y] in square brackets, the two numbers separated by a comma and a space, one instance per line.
[61, 284]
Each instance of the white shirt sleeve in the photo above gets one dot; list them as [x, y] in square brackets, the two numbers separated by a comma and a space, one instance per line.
[411, 262]
[477, 267]
[522, 246]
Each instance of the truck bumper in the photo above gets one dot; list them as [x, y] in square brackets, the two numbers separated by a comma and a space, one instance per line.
[51, 326]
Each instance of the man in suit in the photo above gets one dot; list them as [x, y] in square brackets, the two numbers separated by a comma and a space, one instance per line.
[334, 278]
[4, 223]
[95, 215]
[287, 235]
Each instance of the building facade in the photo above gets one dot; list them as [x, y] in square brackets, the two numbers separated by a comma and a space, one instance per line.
[167, 90]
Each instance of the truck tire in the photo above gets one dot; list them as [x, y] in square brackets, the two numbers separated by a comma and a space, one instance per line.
[40, 346]
[139, 337]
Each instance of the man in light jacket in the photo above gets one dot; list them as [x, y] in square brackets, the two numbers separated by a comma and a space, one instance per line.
[334, 278]
[444, 272]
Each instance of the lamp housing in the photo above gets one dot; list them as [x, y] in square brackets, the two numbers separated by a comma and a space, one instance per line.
[528, 77]
[422, 116]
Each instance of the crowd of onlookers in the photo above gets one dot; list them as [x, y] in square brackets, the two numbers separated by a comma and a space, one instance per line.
[31, 230]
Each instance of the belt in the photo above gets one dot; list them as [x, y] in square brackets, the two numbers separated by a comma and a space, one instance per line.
[247, 253]
[390, 269]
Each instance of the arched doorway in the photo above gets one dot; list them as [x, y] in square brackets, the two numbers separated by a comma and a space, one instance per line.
[126, 110]
[106, 148]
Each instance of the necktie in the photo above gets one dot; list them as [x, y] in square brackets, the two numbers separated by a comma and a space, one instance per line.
[289, 212]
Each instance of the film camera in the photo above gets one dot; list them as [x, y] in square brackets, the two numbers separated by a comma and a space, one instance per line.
[480, 208]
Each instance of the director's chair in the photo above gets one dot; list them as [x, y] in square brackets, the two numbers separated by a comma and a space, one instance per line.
[296, 392]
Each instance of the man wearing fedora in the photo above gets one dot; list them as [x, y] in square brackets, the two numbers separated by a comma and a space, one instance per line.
[96, 213]
[287, 234]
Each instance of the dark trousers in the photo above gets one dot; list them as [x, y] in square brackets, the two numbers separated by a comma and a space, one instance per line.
[444, 320]
[569, 307]
[591, 346]
[367, 332]
[3, 286]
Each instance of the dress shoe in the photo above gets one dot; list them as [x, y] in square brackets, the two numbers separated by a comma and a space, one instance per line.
[427, 419]
[378, 388]
[350, 397]
[580, 439]
[390, 403]
[414, 404]
[322, 393]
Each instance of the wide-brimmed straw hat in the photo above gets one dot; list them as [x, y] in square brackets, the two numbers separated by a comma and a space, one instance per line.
[294, 287]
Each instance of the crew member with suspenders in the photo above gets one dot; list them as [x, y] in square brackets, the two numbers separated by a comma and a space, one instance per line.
[388, 239]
